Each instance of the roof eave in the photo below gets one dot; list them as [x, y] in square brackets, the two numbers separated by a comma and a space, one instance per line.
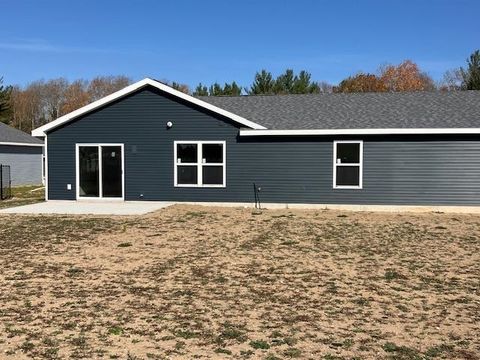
[326, 132]
[10, 143]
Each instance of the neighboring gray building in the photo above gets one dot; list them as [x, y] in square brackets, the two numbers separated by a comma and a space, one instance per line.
[151, 142]
[23, 153]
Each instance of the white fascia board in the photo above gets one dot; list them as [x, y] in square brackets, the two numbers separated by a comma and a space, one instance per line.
[18, 144]
[41, 131]
[416, 131]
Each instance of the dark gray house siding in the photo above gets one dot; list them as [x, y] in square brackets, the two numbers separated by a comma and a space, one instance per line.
[25, 163]
[406, 170]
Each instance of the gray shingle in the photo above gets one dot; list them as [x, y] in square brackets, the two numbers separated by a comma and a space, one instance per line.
[9, 134]
[460, 109]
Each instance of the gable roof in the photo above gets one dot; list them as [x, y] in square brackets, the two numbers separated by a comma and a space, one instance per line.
[41, 131]
[12, 136]
[412, 112]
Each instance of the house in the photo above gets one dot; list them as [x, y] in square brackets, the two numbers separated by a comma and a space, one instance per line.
[23, 154]
[151, 142]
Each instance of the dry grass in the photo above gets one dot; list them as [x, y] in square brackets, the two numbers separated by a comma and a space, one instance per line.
[196, 282]
[23, 195]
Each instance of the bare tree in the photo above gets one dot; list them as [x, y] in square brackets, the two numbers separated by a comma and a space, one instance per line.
[53, 97]
[76, 96]
[27, 109]
[102, 86]
[452, 80]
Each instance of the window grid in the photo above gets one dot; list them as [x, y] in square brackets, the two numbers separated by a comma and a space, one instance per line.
[359, 164]
[199, 164]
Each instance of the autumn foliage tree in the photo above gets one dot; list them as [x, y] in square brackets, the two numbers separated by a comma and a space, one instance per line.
[405, 77]
[396, 78]
[361, 83]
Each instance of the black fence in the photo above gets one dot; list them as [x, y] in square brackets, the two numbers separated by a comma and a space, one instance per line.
[5, 182]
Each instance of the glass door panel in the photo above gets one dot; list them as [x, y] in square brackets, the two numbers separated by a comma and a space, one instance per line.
[89, 175]
[111, 171]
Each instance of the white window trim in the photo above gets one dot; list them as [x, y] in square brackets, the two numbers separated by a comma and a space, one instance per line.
[77, 165]
[360, 164]
[199, 164]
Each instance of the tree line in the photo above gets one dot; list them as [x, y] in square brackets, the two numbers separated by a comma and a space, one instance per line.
[41, 101]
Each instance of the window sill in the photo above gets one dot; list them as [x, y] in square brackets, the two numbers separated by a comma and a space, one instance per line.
[198, 186]
[347, 188]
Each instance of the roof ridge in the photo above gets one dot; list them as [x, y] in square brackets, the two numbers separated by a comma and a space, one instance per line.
[388, 93]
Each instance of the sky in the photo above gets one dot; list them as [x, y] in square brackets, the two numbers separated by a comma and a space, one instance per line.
[205, 41]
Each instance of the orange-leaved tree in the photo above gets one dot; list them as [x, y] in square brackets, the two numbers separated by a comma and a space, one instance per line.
[361, 83]
[405, 77]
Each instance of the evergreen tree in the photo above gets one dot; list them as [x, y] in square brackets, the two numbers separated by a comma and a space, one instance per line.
[263, 83]
[285, 83]
[200, 90]
[303, 85]
[471, 75]
[232, 89]
[181, 87]
[215, 90]
[5, 92]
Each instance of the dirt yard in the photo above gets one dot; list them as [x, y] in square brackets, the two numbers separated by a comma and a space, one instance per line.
[197, 282]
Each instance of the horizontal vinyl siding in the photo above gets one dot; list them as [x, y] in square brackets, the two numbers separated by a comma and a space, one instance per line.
[25, 163]
[407, 170]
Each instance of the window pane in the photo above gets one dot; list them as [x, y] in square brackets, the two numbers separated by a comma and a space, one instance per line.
[213, 175]
[348, 153]
[186, 153]
[112, 171]
[212, 153]
[89, 173]
[348, 175]
[187, 175]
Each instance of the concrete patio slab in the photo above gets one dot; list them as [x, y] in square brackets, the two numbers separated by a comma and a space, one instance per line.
[89, 207]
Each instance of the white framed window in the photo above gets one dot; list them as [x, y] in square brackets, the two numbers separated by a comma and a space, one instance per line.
[199, 163]
[348, 164]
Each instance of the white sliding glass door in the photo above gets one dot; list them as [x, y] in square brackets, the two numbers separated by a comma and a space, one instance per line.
[100, 171]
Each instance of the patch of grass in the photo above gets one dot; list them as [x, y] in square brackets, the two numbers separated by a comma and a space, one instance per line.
[124, 244]
[272, 357]
[332, 357]
[24, 195]
[27, 346]
[223, 351]
[115, 330]
[231, 332]
[179, 345]
[438, 350]
[259, 344]
[79, 341]
[185, 334]
[402, 352]
[73, 271]
[392, 274]
[292, 352]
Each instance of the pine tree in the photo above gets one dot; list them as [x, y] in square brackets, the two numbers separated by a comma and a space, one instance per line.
[471, 75]
[263, 83]
[285, 83]
[215, 90]
[303, 85]
[200, 90]
[232, 89]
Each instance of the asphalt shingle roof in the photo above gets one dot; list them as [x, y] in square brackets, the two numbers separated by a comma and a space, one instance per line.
[11, 135]
[458, 109]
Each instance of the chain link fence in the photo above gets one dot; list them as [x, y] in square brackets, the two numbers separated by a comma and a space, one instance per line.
[5, 182]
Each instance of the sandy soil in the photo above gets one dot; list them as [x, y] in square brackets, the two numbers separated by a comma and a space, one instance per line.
[199, 282]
